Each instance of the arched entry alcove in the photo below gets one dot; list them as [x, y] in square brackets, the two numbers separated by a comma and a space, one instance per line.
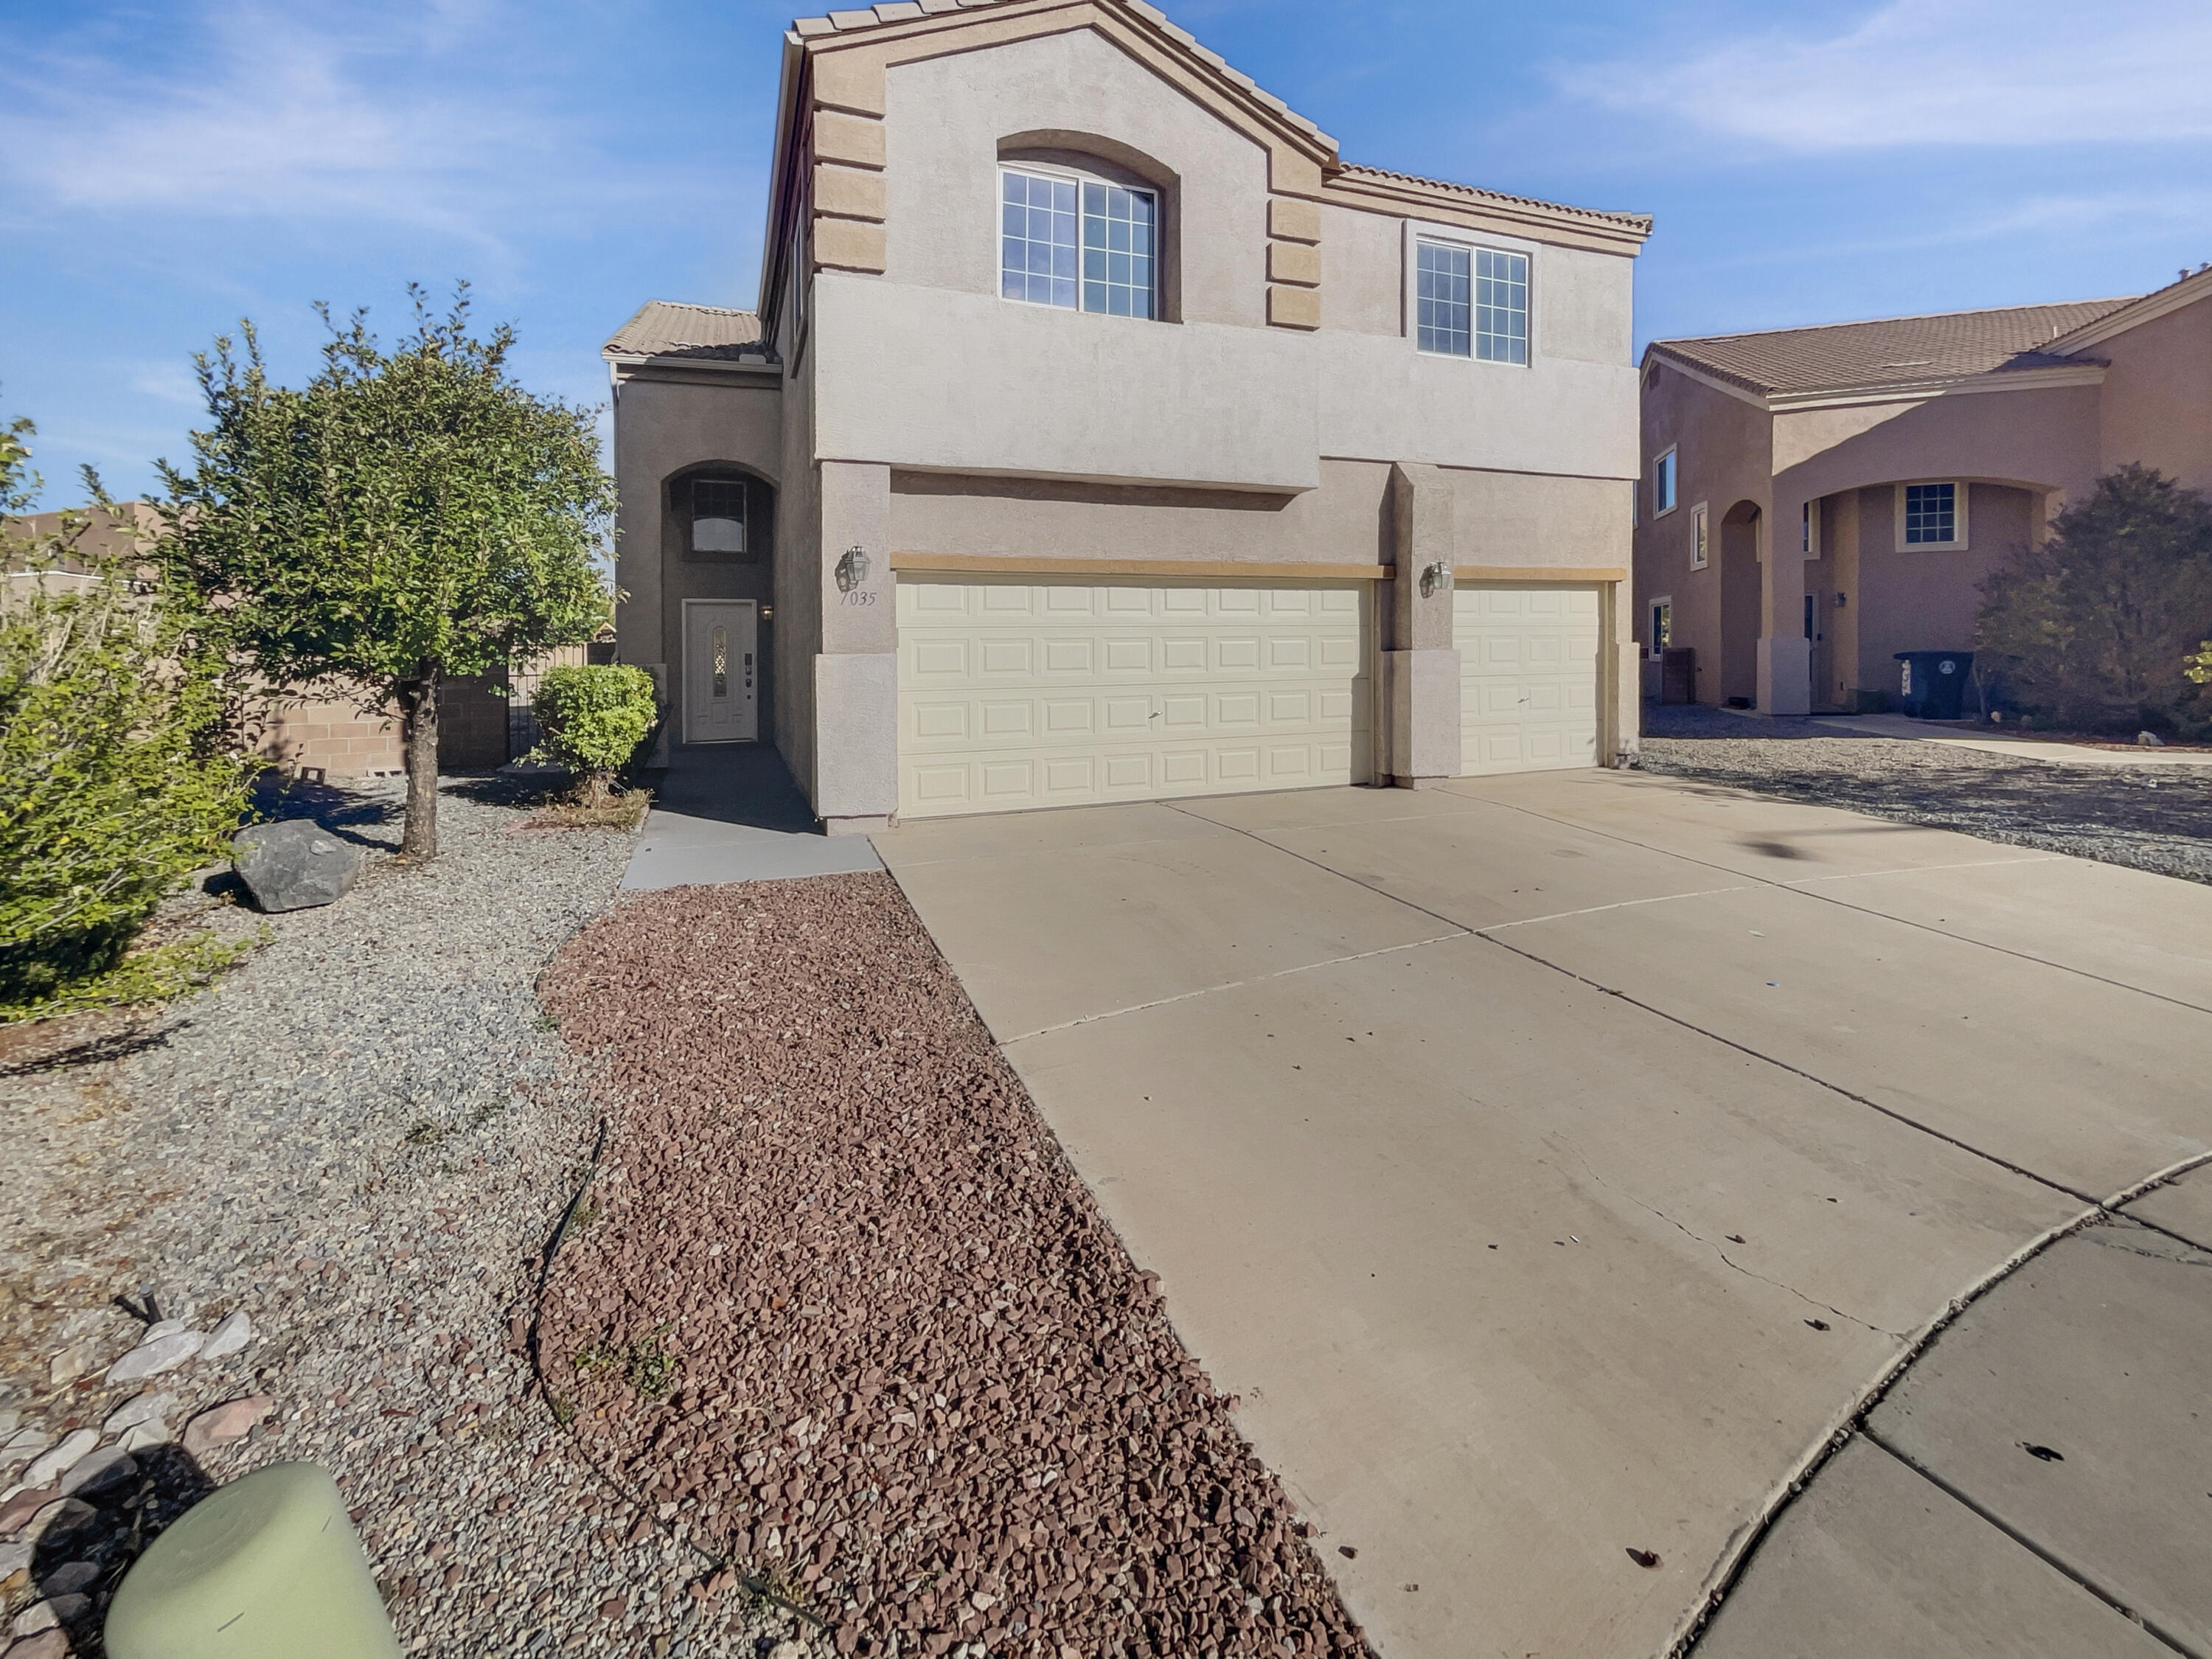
[1741, 599]
[718, 560]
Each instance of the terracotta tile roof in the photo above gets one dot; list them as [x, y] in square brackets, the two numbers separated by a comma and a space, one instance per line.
[1631, 220]
[663, 328]
[1892, 351]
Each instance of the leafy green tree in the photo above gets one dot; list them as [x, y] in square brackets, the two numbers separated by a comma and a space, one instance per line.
[2095, 624]
[115, 779]
[402, 519]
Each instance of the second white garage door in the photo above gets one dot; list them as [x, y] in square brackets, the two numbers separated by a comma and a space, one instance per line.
[1032, 691]
[1528, 677]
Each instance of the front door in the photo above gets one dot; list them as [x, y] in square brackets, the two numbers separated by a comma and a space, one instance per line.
[721, 648]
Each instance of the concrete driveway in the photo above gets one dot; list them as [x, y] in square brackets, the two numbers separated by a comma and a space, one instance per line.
[1553, 1163]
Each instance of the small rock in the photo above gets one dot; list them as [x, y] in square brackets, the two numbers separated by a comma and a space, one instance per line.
[23, 1444]
[295, 864]
[59, 1518]
[157, 1354]
[48, 1645]
[228, 1338]
[139, 1408]
[786, 1650]
[48, 1465]
[21, 1506]
[2150, 741]
[39, 1615]
[10, 1420]
[47, 1615]
[162, 1327]
[219, 1426]
[144, 1436]
[103, 1470]
[68, 1578]
[72, 1361]
[14, 1559]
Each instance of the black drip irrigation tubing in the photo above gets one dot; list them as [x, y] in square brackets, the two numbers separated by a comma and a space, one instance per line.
[753, 1585]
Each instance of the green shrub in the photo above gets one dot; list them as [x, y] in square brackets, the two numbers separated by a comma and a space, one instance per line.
[592, 719]
[115, 782]
[2095, 624]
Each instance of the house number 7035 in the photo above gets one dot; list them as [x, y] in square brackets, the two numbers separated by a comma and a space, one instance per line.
[858, 597]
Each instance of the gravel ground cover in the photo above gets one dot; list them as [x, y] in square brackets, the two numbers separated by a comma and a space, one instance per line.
[360, 1139]
[2151, 818]
[844, 1315]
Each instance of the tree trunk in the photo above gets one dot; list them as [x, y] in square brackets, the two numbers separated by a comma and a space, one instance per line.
[418, 733]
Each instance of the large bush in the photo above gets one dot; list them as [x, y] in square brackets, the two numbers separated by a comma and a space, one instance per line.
[114, 780]
[593, 719]
[2095, 625]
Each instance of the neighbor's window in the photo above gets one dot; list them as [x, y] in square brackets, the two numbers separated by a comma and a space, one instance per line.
[1663, 485]
[1698, 549]
[718, 515]
[1662, 624]
[1931, 514]
[1809, 536]
[1079, 244]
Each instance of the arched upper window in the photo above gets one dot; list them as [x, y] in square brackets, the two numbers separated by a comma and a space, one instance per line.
[1085, 224]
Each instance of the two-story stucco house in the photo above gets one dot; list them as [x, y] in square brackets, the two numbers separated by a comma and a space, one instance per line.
[1816, 500]
[1099, 435]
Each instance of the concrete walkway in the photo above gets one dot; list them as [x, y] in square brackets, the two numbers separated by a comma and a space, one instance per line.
[1985, 738]
[1555, 1164]
[731, 812]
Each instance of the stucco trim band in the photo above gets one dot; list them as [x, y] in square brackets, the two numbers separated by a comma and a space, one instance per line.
[1538, 573]
[982, 564]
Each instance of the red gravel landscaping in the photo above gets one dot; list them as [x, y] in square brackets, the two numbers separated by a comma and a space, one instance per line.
[847, 1315]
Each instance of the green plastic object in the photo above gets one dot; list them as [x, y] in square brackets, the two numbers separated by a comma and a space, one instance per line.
[268, 1567]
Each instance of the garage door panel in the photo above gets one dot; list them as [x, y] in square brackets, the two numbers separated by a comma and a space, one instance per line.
[1041, 693]
[1528, 662]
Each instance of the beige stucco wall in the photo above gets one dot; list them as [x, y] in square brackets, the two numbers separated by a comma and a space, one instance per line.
[1925, 598]
[944, 118]
[1722, 458]
[667, 422]
[2157, 403]
[965, 382]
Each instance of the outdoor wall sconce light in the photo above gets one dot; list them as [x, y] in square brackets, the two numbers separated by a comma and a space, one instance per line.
[851, 569]
[1435, 579]
[1839, 602]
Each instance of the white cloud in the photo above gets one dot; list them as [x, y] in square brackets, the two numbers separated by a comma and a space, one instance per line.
[1955, 72]
[407, 121]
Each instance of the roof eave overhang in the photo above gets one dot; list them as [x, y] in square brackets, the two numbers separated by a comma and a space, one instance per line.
[2136, 313]
[631, 363]
[1624, 234]
[1893, 392]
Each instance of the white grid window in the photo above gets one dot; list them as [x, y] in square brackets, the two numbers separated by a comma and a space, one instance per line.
[1931, 513]
[1443, 294]
[1036, 245]
[1118, 242]
[1501, 306]
[1079, 245]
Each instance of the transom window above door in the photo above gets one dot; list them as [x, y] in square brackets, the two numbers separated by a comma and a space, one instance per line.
[1079, 244]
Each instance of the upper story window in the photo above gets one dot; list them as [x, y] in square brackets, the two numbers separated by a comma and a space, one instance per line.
[1080, 244]
[1471, 301]
[1700, 548]
[1933, 516]
[1662, 483]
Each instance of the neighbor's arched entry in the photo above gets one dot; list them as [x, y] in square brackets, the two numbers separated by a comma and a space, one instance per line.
[1740, 599]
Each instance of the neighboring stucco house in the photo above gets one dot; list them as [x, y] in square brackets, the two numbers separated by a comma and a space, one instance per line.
[1891, 464]
[1099, 435]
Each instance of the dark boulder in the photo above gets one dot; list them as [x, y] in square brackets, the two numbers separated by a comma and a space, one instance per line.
[295, 864]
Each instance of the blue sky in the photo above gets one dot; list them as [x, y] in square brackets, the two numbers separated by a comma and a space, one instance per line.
[167, 168]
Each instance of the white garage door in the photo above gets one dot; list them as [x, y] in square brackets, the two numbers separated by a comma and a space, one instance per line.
[1528, 677]
[1050, 691]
